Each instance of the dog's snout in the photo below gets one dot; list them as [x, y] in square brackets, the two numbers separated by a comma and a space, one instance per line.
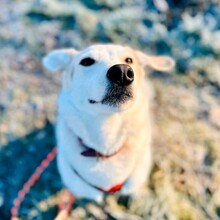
[121, 74]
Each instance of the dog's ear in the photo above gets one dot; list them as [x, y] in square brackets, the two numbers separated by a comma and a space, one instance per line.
[58, 60]
[161, 63]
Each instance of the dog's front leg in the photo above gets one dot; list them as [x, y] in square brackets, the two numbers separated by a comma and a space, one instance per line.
[76, 185]
[140, 174]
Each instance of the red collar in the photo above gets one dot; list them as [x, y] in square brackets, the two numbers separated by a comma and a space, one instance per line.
[90, 152]
[113, 189]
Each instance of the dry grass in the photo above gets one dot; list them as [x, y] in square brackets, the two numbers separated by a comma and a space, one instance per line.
[185, 180]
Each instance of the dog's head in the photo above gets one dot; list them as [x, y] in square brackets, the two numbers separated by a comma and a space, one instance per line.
[103, 78]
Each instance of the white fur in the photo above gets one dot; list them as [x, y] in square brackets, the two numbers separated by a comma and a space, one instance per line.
[100, 126]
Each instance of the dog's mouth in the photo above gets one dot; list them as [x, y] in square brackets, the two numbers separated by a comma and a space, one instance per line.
[91, 101]
[115, 96]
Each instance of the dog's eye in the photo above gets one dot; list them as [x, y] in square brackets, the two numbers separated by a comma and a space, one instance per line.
[87, 61]
[128, 60]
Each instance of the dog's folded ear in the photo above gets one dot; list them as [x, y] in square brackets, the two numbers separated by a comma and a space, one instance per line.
[58, 60]
[160, 63]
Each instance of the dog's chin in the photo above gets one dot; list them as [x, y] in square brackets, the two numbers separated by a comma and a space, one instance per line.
[118, 104]
[119, 107]
[111, 105]
[116, 99]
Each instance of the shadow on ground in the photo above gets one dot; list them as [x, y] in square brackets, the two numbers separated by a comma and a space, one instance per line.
[19, 160]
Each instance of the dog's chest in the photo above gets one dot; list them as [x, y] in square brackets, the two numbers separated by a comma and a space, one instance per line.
[99, 171]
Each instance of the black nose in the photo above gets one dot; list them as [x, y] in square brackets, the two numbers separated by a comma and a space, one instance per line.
[121, 74]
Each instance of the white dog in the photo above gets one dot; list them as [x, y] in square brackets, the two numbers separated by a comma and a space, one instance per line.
[104, 122]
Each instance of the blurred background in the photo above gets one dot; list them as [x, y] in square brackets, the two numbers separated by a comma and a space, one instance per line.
[185, 181]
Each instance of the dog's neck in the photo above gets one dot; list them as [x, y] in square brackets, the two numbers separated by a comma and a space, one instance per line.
[96, 132]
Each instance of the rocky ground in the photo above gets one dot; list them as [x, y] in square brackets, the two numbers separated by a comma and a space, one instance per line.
[185, 180]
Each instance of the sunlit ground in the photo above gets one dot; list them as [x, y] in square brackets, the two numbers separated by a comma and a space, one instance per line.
[185, 180]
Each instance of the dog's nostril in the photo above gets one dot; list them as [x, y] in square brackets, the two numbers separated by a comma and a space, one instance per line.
[130, 74]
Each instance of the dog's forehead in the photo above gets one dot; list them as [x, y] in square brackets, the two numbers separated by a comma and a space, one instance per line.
[106, 51]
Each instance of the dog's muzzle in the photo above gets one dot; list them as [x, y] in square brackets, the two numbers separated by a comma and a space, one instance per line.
[121, 75]
[119, 91]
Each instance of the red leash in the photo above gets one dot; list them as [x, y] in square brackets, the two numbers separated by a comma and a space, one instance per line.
[64, 208]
